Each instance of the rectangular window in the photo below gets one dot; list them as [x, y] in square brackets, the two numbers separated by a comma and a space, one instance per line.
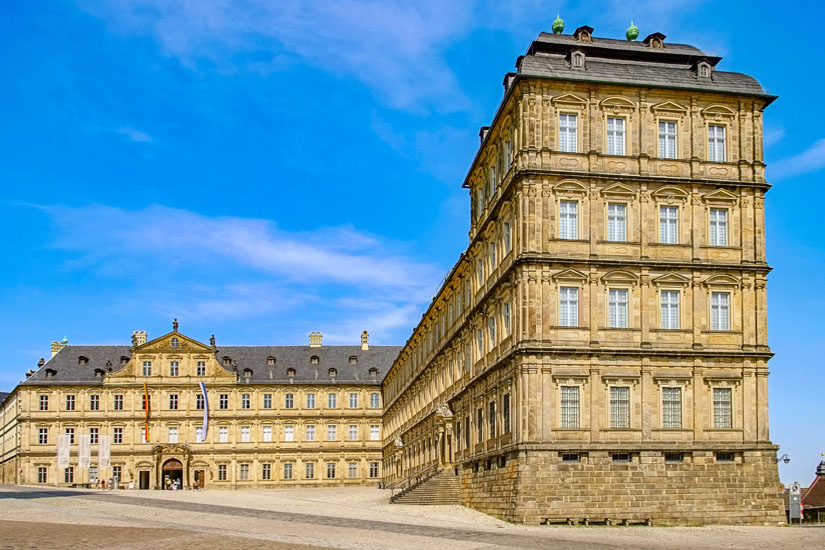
[352, 469]
[467, 358]
[615, 136]
[568, 127]
[266, 472]
[508, 236]
[330, 470]
[200, 369]
[44, 402]
[725, 457]
[491, 331]
[619, 407]
[267, 400]
[570, 457]
[719, 311]
[221, 472]
[479, 425]
[505, 314]
[309, 470]
[332, 400]
[94, 435]
[480, 343]
[147, 368]
[353, 401]
[266, 434]
[458, 435]
[670, 309]
[173, 435]
[310, 432]
[672, 408]
[493, 262]
[43, 436]
[373, 469]
[244, 473]
[491, 418]
[569, 307]
[375, 432]
[223, 401]
[332, 432]
[199, 402]
[199, 435]
[674, 457]
[617, 308]
[621, 457]
[143, 438]
[310, 401]
[246, 401]
[173, 402]
[70, 433]
[289, 433]
[505, 414]
[173, 368]
[288, 470]
[117, 435]
[68, 475]
[353, 432]
[569, 406]
[117, 474]
[480, 271]
[94, 402]
[223, 434]
[667, 139]
[467, 432]
[375, 400]
[668, 225]
[716, 143]
[722, 408]
[41, 474]
[718, 227]
[616, 222]
[568, 220]
[118, 403]
[508, 151]
[246, 432]
[70, 402]
[289, 401]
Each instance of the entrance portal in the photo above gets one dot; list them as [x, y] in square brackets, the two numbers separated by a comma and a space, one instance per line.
[144, 480]
[172, 474]
[200, 477]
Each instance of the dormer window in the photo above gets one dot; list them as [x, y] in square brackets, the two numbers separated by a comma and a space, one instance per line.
[82, 360]
[583, 34]
[353, 360]
[655, 40]
[227, 361]
[123, 359]
[373, 371]
[577, 60]
[314, 360]
[333, 373]
[703, 69]
[247, 373]
[99, 373]
[270, 360]
[290, 372]
[51, 373]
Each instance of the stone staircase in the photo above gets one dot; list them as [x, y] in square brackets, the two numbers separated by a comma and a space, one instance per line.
[440, 488]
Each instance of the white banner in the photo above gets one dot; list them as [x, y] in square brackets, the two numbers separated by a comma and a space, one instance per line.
[63, 451]
[104, 452]
[84, 451]
[205, 425]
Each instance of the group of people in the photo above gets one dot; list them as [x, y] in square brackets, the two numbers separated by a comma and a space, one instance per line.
[103, 484]
[173, 485]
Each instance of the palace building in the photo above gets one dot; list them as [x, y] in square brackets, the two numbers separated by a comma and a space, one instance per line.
[598, 353]
[228, 416]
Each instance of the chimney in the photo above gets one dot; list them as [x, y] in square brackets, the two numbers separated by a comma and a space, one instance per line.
[365, 341]
[57, 346]
[483, 133]
[138, 338]
[315, 339]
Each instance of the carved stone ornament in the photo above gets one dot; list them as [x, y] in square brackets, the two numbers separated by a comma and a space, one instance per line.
[444, 410]
[398, 442]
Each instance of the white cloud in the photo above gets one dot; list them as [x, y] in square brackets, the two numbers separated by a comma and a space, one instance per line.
[134, 135]
[773, 135]
[809, 160]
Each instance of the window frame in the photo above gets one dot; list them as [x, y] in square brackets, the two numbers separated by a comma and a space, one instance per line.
[622, 133]
[568, 221]
[666, 309]
[664, 237]
[722, 239]
[610, 305]
[675, 136]
[716, 323]
[616, 233]
[615, 407]
[712, 156]
[565, 130]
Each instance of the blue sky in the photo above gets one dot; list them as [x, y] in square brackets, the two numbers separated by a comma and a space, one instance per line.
[260, 170]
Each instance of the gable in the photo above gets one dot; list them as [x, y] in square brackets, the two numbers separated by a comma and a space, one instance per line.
[671, 278]
[173, 342]
[720, 196]
[569, 100]
[669, 108]
[619, 191]
[570, 275]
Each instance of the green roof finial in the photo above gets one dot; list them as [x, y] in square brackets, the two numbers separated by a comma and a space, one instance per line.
[65, 340]
[558, 25]
[632, 32]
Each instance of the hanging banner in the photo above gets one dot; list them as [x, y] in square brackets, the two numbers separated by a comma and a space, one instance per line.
[205, 425]
[148, 407]
[63, 451]
[84, 451]
[104, 452]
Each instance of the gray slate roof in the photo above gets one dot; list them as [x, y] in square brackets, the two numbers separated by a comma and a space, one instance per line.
[69, 371]
[3, 396]
[624, 62]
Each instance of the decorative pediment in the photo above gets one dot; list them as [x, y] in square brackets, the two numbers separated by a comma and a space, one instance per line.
[570, 187]
[670, 194]
[722, 280]
[671, 279]
[669, 108]
[174, 342]
[570, 100]
[617, 105]
[620, 277]
[720, 196]
[618, 191]
[570, 275]
[718, 112]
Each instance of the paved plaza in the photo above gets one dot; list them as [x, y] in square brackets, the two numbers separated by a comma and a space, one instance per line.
[310, 519]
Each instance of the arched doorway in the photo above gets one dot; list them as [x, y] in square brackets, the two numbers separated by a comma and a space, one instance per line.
[172, 474]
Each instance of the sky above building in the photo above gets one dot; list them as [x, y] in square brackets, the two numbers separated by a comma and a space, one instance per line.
[260, 170]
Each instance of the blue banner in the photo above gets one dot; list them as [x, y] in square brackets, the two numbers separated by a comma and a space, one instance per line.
[205, 426]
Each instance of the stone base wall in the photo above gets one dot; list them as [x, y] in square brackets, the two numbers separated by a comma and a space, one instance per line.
[536, 487]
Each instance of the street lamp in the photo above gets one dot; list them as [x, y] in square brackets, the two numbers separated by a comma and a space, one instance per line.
[784, 458]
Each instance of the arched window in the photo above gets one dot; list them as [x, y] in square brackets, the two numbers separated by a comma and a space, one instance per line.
[314, 360]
